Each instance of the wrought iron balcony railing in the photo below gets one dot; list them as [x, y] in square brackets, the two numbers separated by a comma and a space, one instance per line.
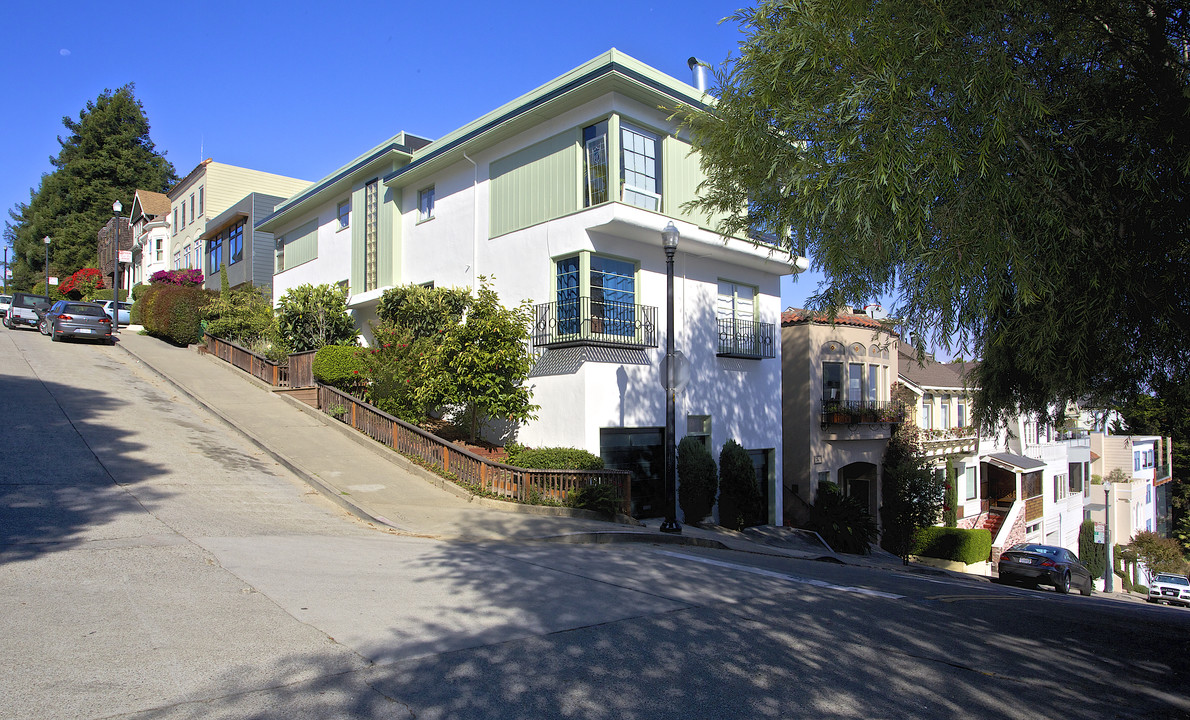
[584, 321]
[745, 339]
[862, 411]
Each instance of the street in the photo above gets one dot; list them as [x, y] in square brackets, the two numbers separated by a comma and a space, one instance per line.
[154, 564]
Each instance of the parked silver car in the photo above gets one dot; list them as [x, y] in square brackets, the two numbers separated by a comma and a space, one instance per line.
[125, 308]
[71, 318]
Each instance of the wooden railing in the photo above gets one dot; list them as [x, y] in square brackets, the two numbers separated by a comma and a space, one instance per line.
[498, 479]
[298, 373]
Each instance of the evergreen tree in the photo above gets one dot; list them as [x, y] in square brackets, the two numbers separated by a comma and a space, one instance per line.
[106, 155]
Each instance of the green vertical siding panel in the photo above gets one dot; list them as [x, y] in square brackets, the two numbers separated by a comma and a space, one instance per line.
[358, 249]
[535, 184]
[680, 179]
[390, 236]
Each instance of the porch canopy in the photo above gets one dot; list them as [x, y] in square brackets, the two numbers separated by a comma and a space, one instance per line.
[1014, 462]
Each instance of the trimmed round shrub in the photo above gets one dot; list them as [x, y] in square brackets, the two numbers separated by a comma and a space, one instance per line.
[698, 479]
[957, 544]
[174, 312]
[339, 366]
[557, 458]
[740, 501]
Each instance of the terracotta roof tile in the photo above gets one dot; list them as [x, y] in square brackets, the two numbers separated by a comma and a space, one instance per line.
[797, 316]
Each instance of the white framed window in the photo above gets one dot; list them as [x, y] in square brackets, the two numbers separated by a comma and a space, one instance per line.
[927, 408]
[201, 198]
[832, 382]
[175, 225]
[192, 215]
[159, 250]
[425, 204]
[640, 168]
[874, 383]
[970, 482]
[944, 415]
[344, 214]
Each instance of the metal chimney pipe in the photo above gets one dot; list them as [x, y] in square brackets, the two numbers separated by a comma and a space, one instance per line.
[699, 69]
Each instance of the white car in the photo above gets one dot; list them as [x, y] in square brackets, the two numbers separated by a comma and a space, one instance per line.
[5, 301]
[1170, 588]
[124, 310]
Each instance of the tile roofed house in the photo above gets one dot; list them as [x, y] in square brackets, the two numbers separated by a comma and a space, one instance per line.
[561, 196]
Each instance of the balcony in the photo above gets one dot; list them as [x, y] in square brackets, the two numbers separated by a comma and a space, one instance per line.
[584, 321]
[862, 412]
[940, 442]
[745, 339]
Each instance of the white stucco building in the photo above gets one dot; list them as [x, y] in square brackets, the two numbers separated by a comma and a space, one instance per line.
[560, 197]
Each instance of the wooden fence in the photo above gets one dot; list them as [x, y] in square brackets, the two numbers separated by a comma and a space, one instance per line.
[298, 373]
[499, 479]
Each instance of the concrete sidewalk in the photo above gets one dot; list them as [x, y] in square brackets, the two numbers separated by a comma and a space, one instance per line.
[382, 487]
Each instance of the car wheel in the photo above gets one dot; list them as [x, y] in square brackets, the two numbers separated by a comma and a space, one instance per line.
[1063, 585]
[1086, 589]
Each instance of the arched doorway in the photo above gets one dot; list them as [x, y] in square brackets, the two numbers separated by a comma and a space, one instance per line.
[858, 480]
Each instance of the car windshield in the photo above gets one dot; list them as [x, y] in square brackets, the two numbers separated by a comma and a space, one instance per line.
[1173, 580]
[84, 310]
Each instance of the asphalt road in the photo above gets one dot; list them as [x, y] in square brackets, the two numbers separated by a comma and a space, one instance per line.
[155, 565]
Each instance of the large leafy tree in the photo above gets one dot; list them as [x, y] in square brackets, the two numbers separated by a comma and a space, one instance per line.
[1013, 173]
[106, 155]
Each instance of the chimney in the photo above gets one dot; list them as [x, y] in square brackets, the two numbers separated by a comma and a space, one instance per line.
[699, 69]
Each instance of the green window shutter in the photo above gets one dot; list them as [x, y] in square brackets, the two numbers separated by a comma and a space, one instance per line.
[536, 184]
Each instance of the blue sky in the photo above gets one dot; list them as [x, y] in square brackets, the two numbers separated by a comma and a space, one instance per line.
[299, 88]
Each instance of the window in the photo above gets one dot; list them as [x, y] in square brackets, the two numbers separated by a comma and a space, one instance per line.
[160, 251]
[186, 256]
[1136, 461]
[873, 383]
[740, 335]
[235, 242]
[1076, 478]
[855, 382]
[639, 169]
[1061, 486]
[175, 225]
[201, 198]
[613, 296]
[927, 405]
[962, 413]
[832, 382]
[944, 416]
[1148, 494]
[182, 214]
[568, 290]
[215, 253]
[344, 214]
[971, 484]
[595, 164]
[699, 426]
[736, 302]
[371, 234]
[192, 215]
[425, 204]
[177, 259]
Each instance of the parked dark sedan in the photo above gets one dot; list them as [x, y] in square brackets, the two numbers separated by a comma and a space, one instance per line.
[1034, 564]
[69, 318]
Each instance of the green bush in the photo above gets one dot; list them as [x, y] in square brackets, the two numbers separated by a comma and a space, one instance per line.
[311, 316]
[843, 522]
[602, 498]
[556, 458]
[740, 501]
[698, 480]
[243, 316]
[138, 291]
[1141, 589]
[339, 366]
[958, 544]
[174, 312]
[1091, 553]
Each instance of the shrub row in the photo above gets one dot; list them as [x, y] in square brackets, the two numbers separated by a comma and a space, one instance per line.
[172, 312]
[339, 366]
[556, 458]
[958, 544]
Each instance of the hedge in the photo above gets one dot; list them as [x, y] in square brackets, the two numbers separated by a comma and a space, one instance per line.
[339, 366]
[958, 544]
[174, 313]
[556, 458]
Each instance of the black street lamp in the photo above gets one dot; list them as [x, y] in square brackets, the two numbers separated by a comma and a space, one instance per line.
[46, 240]
[669, 240]
[116, 208]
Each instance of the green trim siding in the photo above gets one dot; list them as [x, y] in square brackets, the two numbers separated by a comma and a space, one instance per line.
[680, 180]
[535, 184]
[389, 240]
[300, 245]
[358, 249]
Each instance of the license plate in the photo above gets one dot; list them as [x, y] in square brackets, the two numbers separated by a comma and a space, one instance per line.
[1025, 561]
[86, 330]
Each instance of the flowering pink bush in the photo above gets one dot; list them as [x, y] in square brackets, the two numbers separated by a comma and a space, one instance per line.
[177, 277]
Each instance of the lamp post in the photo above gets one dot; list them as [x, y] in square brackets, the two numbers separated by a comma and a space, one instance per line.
[116, 208]
[46, 240]
[669, 240]
[1108, 579]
